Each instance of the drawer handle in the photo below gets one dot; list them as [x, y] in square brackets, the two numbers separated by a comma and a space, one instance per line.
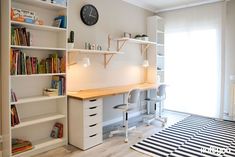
[92, 100]
[92, 115]
[93, 135]
[91, 108]
[92, 125]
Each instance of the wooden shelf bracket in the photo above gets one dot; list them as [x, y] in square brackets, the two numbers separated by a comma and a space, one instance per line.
[120, 44]
[107, 59]
[144, 48]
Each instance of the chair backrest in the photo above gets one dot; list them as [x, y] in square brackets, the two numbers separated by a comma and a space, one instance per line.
[161, 90]
[133, 96]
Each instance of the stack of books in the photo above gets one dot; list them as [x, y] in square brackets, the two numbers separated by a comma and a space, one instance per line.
[58, 82]
[27, 65]
[57, 131]
[20, 146]
[20, 36]
[14, 116]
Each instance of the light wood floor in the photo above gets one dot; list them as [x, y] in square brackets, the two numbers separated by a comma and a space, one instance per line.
[115, 146]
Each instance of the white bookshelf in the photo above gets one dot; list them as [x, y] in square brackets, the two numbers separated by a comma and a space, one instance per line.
[37, 113]
[155, 29]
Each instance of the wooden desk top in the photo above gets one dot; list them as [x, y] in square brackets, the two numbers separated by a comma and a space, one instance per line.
[102, 92]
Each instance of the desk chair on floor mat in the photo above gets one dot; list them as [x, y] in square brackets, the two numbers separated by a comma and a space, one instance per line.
[132, 100]
[159, 97]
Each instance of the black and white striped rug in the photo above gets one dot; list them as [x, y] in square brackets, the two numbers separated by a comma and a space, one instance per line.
[194, 136]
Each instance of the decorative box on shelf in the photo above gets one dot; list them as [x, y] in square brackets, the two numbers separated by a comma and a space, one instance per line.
[50, 92]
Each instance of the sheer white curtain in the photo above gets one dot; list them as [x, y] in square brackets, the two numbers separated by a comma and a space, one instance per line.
[193, 59]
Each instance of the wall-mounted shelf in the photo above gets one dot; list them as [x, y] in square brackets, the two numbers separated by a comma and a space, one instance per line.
[107, 54]
[39, 27]
[144, 44]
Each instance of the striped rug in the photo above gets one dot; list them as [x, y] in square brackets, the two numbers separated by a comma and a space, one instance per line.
[194, 136]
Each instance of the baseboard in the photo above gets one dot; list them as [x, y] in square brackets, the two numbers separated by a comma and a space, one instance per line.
[119, 119]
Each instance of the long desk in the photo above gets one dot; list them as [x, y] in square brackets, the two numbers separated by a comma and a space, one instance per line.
[102, 92]
[86, 113]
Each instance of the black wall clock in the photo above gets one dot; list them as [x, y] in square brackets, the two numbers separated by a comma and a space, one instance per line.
[89, 15]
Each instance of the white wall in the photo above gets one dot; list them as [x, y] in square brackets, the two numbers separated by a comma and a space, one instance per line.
[115, 17]
[230, 57]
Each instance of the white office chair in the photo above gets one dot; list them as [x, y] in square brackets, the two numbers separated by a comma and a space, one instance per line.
[160, 96]
[133, 99]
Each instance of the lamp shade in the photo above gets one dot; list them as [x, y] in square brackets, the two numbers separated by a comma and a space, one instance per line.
[86, 62]
[145, 63]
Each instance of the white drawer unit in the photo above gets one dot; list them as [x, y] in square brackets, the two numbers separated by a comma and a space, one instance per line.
[85, 122]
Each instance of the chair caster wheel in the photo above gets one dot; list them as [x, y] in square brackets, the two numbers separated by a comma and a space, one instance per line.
[163, 124]
[165, 119]
[126, 140]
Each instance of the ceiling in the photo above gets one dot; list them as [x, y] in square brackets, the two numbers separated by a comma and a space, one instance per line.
[165, 5]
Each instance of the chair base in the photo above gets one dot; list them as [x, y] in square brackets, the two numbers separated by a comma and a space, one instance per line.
[163, 120]
[120, 131]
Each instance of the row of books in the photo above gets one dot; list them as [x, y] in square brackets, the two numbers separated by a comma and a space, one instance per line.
[14, 116]
[20, 146]
[58, 82]
[20, 36]
[27, 65]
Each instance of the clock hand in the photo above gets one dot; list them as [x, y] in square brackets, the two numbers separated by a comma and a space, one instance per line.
[90, 12]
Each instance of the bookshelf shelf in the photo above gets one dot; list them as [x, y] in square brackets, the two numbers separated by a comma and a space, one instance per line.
[0, 138]
[38, 27]
[36, 99]
[39, 75]
[42, 144]
[38, 48]
[41, 4]
[37, 120]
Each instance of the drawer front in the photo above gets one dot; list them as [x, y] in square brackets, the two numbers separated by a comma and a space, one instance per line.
[92, 119]
[93, 129]
[93, 110]
[92, 103]
[92, 140]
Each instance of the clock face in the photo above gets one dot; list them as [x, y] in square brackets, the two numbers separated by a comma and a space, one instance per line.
[89, 15]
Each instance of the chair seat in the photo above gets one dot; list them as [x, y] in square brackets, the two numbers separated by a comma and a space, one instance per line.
[155, 100]
[122, 107]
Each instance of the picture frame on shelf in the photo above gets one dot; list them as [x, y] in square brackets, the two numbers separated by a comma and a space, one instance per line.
[57, 23]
